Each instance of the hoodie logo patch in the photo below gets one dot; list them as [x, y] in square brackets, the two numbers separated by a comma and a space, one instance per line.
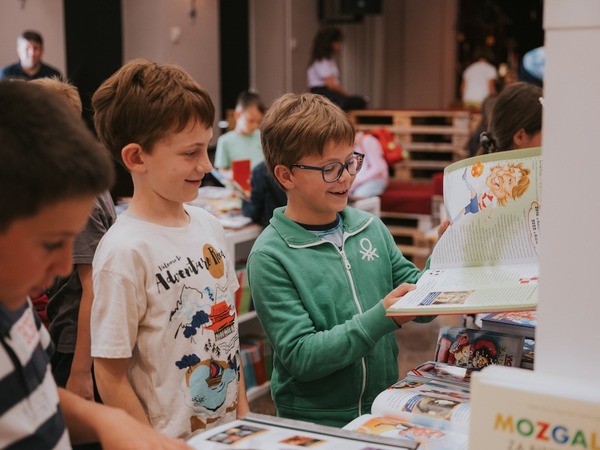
[367, 251]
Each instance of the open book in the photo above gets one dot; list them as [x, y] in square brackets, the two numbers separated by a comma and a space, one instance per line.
[257, 431]
[431, 411]
[487, 260]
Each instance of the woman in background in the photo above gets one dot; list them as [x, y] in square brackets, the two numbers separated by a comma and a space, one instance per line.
[323, 74]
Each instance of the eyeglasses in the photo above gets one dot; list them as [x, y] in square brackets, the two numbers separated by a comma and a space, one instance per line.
[333, 171]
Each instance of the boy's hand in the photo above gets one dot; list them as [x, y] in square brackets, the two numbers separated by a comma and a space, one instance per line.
[393, 297]
[122, 432]
[443, 227]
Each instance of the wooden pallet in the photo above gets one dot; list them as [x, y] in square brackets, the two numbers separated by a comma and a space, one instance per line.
[432, 139]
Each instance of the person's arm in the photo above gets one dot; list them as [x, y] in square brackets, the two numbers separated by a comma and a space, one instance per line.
[332, 84]
[243, 405]
[80, 379]
[112, 427]
[115, 389]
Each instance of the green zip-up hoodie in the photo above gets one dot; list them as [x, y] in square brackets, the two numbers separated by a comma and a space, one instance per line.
[321, 308]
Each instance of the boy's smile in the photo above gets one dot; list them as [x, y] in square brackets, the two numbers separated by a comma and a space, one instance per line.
[313, 201]
[172, 172]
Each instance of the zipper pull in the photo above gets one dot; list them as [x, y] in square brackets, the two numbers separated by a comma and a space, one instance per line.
[346, 262]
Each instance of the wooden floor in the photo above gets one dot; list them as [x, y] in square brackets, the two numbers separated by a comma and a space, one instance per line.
[417, 345]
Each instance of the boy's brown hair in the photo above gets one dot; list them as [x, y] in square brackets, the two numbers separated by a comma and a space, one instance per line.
[65, 89]
[297, 125]
[248, 99]
[143, 101]
[48, 154]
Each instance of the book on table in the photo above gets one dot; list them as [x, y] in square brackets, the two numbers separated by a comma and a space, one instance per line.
[256, 431]
[527, 409]
[518, 323]
[433, 412]
[487, 260]
[476, 349]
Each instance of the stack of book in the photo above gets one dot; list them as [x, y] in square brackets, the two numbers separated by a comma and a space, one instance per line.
[516, 323]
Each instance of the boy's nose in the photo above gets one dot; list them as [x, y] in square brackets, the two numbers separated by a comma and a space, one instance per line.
[63, 262]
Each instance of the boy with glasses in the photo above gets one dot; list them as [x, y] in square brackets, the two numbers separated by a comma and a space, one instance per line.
[322, 274]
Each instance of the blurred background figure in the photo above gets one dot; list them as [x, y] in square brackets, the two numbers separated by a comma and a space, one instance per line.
[372, 179]
[478, 81]
[30, 49]
[323, 74]
[516, 119]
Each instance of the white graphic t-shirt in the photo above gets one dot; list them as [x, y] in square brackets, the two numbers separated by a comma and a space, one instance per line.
[164, 297]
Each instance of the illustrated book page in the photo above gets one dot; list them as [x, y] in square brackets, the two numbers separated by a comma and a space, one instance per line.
[487, 259]
[256, 431]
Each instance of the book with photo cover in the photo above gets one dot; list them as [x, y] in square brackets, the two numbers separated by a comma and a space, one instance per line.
[487, 260]
[519, 323]
[476, 349]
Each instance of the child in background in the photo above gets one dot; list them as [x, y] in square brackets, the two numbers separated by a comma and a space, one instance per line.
[516, 119]
[244, 141]
[373, 177]
[71, 297]
[322, 274]
[45, 202]
[265, 196]
[165, 338]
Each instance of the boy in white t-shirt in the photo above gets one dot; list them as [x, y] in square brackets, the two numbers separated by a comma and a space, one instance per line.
[164, 329]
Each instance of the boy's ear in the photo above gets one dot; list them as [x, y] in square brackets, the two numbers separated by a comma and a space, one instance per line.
[133, 157]
[284, 176]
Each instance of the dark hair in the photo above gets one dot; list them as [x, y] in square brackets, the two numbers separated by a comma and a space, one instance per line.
[297, 125]
[247, 99]
[322, 44]
[48, 154]
[143, 101]
[30, 35]
[518, 106]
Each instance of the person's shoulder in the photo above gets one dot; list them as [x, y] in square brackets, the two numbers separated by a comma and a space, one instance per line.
[49, 71]
[11, 70]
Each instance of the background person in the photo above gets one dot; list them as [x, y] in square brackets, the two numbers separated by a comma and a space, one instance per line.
[30, 49]
[323, 74]
[478, 81]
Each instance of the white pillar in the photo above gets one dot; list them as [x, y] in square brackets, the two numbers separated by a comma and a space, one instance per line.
[568, 329]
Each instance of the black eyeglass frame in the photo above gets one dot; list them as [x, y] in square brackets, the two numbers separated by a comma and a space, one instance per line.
[356, 155]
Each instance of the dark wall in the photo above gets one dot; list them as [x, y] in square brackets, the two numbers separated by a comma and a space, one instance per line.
[94, 52]
[234, 52]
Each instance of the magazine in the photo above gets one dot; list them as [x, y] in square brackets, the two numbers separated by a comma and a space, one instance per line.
[476, 349]
[487, 260]
[432, 412]
[442, 371]
[257, 431]
[518, 323]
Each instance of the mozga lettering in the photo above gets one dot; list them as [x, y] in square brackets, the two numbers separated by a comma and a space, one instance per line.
[169, 278]
[547, 432]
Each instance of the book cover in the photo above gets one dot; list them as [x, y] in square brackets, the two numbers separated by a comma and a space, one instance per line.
[525, 409]
[476, 349]
[487, 260]
[519, 323]
[527, 360]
